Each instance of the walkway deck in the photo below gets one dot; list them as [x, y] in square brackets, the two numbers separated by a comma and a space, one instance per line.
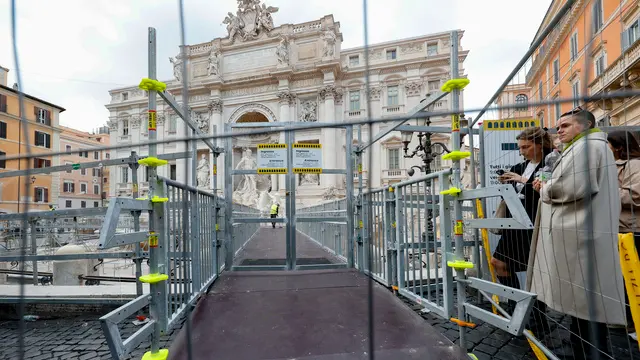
[312, 315]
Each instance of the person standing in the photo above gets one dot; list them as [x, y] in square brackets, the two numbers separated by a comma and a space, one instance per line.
[512, 252]
[574, 265]
[275, 208]
[626, 152]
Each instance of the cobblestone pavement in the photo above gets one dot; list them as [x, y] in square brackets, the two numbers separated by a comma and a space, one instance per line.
[82, 338]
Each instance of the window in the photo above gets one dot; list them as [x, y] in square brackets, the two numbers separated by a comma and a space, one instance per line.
[173, 172]
[41, 163]
[541, 118]
[84, 154]
[391, 54]
[574, 46]
[540, 93]
[600, 64]
[392, 95]
[83, 188]
[96, 155]
[432, 49]
[68, 149]
[3, 130]
[41, 194]
[3, 163]
[125, 127]
[43, 139]
[83, 171]
[95, 172]
[434, 85]
[3, 103]
[107, 156]
[575, 91]
[67, 204]
[558, 112]
[630, 34]
[125, 96]
[96, 189]
[83, 204]
[354, 60]
[42, 116]
[68, 187]
[521, 99]
[597, 16]
[394, 159]
[173, 123]
[354, 100]
[556, 71]
[105, 180]
[124, 174]
[96, 204]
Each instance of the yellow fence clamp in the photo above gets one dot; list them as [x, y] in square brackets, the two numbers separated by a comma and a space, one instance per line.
[630, 264]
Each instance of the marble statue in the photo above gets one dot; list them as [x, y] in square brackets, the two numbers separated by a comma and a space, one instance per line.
[329, 38]
[177, 66]
[282, 51]
[201, 121]
[250, 19]
[203, 172]
[246, 192]
[213, 68]
[308, 112]
[309, 179]
[331, 193]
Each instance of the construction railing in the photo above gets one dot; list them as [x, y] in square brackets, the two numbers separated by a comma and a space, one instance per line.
[331, 235]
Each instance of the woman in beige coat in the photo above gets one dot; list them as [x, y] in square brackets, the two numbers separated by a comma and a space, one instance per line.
[574, 265]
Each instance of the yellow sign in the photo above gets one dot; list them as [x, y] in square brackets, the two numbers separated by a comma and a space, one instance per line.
[272, 146]
[458, 228]
[135, 187]
[152, 120]
[272, 171]
[361, 224]
[307, 146]
[307, 170]
[497, 125]
[360, 168]
[455, 122]
[630, 265]
[215, 169]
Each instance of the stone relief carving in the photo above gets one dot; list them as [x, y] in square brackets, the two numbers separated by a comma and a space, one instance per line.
[215, 106]
[203, 172]
[328, 91]
[375, 54]
[329, 38]
[177, 66]
[282, 51]
[213, 67]
[309, 111]
[374, 93]
[309, 179]
[253, 107]
[413, 88]
[113, 125]
[250, 20]
[201, 120]
[134, 123]
[411, 48]
[331, 193]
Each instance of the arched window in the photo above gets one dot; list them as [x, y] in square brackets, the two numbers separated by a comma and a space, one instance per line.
[521, 99]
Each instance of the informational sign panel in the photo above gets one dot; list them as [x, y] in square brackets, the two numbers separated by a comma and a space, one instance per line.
[272, 158]
[307, 158]
[501, 152]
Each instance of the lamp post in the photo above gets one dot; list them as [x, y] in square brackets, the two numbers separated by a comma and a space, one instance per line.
[427, 150]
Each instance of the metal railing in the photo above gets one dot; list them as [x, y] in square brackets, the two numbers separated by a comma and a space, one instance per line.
[331, 235]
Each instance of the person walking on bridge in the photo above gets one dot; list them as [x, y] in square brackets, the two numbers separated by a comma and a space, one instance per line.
[275, 208]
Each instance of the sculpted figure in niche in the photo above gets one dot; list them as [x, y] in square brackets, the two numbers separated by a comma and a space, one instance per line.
[310, 179]
[234, 25]
[329, 43]
[246, 191]
[203, 172]
[177, 66]
[282, 51]
[214, 62]
[265, 20]
[309, 111]
[201, 121]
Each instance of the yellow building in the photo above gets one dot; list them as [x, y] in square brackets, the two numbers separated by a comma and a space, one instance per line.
[603, 32]
[43, 139]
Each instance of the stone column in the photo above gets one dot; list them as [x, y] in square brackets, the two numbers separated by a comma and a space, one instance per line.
[285, 99]
[329, 135]
[375, 172]
[216, 126]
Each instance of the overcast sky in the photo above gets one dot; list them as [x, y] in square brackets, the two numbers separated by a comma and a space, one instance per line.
[72, 52]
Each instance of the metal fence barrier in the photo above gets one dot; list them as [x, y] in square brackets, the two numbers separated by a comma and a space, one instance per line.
[330, 235]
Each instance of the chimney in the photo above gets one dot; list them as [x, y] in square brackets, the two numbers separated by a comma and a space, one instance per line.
[4, 76]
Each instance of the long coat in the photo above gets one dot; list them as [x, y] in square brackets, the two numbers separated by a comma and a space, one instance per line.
[559, 260]
[514, 245]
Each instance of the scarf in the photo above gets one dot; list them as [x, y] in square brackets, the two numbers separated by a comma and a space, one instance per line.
[580, 136]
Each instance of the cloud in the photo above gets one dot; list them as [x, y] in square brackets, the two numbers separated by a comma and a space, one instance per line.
[73, 52]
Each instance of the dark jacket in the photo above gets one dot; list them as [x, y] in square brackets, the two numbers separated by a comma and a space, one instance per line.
[514, 245]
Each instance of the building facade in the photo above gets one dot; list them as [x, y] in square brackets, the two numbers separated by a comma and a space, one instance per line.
[605, 33]
[290, 73]
[83, 188]
[43, 139]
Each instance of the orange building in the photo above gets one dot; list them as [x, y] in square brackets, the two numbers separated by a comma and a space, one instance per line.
[85, 187]
[605, 33]
[43, 139]
[515, 94]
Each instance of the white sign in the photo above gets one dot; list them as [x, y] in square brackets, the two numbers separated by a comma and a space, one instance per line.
[272, 158]
[307, 158]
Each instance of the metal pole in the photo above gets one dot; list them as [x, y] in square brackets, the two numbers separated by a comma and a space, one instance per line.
[457, 205]
[228, 197]
[567, 6]
[290, 194]
[196, 257]
[133, 165]
[349, 182]
[154, 306]
[34, 251]
[474, 184]
[364, 239]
